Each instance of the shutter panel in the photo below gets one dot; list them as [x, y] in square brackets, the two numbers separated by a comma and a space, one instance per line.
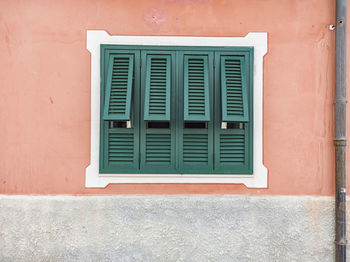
[232, 148]
[232, 151]
[158, 148]
[157, 93]
[157, 151]
[195, 148]
[120, 79]
[196, 88]
[157, 144]
[119, 87]
[121, 148]
[233, 90]
[233, 142]
[121, 154]
[196, 139]
[196, 151]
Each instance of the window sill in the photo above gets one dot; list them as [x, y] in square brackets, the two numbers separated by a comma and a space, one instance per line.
[102, 180]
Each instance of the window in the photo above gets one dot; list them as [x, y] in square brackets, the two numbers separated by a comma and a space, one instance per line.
[175, 110]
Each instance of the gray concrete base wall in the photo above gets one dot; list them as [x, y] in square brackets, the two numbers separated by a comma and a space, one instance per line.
[166, 228]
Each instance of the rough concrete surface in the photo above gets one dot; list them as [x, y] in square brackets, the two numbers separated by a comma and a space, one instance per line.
[166, 228]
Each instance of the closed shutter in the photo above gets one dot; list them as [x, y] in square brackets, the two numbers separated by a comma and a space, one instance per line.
[233, 89]
[197, 151]
[158, 148]
[120, 147]
[157, 94]
[119, 87]
[232, 151]
[196, 88]
[195, 148]
[232, 147]
[121, 150]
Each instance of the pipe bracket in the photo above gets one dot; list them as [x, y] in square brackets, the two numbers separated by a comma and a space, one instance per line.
[340, 21]
[340, 142]
[342, 242]
[340, 101]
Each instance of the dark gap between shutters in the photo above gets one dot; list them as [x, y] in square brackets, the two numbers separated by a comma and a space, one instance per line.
[199, 125]
[235, 125]
[158, 124]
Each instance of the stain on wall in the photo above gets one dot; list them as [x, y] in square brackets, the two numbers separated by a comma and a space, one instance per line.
[155, 17]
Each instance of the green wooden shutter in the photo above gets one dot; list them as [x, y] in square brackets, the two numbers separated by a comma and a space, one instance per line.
[232, 148]
[196, 151]
[232, 151]
[121, 147]
[157, 95]
[196, 88]
[195, 102]
[157, 145]
[181, 86]
[157, 151]
[158, 148]
[121, 152]
[233, 89]
[195, 148]
[233, 144]
[119, 87]
[120, 80]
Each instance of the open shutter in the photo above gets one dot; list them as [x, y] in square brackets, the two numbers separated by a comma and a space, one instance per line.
[120, 79]
[157, 143]
[233, 89]
[119, 87]
[157, 93]
[196, 88]
[233, 141]
[195, 132]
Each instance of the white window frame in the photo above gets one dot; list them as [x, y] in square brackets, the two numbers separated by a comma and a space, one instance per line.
[256, 180]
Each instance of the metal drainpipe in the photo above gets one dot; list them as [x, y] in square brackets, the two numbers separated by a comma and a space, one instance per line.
[340, 131]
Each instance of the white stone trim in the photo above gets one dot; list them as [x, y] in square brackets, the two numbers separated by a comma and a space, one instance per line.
[97, 37]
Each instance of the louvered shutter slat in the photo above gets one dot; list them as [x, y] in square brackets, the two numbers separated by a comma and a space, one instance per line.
[232, 148]
[121, 148]
[195, 148]
[233, 90]
[119, 88]
[196, 88]
[158, 148]
[157, 93]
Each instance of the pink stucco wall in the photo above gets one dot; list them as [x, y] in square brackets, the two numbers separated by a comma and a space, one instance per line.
[45, 88]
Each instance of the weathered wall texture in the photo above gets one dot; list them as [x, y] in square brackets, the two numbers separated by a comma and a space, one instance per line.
[45, 87]
[166, 228]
